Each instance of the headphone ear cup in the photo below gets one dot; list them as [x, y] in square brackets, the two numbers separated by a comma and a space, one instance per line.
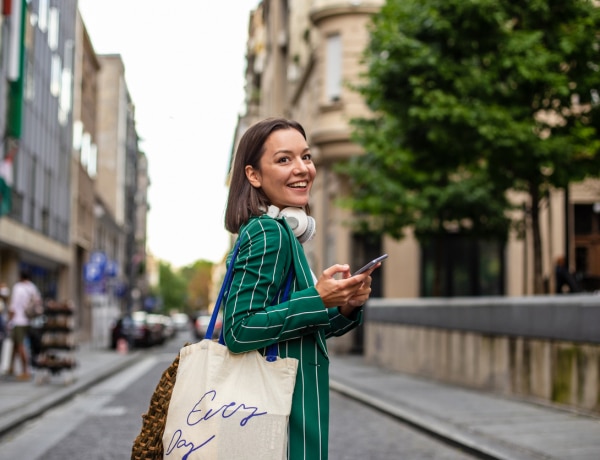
[302, 225]
[296, 219]
[311, 229]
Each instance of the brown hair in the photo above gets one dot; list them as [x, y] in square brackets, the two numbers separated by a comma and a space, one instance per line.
[244, 200]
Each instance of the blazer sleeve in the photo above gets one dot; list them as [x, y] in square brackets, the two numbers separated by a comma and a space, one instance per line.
[339, 324]
[254, 316]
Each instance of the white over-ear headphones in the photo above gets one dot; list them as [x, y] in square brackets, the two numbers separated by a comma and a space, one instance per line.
[303, 226]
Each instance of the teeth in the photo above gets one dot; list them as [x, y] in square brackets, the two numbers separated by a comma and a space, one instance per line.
[299, 184]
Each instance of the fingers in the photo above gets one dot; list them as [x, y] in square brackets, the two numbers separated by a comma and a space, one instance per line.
[362, 294]
[346, 273]
[337, 268]
[356, 302]
[337, 292]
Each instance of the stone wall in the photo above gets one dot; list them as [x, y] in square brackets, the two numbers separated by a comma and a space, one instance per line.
[545, 348]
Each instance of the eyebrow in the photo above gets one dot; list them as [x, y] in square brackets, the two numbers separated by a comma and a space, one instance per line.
[289, 151]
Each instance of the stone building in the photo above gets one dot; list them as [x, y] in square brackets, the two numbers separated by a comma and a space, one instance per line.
[78, 181]
[302, 59]
[83, 168]
[38, 65]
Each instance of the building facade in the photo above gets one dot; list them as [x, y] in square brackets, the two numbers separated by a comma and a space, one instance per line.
[83, 169]
[35, 234]
[302, 59]
[74, 165]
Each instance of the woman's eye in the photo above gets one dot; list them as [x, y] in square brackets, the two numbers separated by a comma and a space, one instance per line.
[283, 160]
[307, 156]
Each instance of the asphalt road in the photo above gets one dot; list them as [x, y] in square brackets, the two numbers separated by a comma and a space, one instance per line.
[102, 422]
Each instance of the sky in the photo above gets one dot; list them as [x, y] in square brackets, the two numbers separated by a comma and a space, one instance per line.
[184, 69]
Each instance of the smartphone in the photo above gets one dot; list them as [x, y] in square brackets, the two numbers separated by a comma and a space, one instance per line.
[370, 264]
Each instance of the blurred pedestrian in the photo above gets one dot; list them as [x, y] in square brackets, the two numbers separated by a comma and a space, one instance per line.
[4, 294]
[563, 278]
[24, 293]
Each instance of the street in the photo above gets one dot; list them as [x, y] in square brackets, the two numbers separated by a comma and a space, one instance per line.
[358, 432]
[102, 422]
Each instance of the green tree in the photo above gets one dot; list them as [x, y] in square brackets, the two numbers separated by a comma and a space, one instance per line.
[199, 280]
[471, 99]
[172, 287]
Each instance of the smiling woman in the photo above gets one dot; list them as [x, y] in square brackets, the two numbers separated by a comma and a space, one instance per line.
[271, 180]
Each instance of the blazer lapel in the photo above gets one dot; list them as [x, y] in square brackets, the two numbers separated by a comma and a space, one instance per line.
[304, 278]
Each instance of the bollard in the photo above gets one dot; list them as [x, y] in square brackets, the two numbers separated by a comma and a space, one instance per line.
[122, 346]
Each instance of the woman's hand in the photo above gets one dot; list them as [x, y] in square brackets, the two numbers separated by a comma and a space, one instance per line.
[348, 292]
[358, 299]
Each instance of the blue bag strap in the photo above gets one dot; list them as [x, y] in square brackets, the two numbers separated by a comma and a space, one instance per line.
[272, 350]
[224, 288]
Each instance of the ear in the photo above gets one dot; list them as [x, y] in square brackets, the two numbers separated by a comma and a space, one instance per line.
[253, 176]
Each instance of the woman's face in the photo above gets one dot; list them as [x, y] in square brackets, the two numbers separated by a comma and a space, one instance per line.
[286, 171]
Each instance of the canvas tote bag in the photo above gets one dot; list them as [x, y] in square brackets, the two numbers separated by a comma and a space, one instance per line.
[226, 405]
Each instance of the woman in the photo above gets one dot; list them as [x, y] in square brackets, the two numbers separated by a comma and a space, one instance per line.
[273, 171]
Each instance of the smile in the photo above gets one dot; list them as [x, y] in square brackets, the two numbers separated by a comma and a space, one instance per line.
[302, 184]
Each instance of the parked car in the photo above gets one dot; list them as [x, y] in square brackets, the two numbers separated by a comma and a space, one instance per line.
[181, 322]
[144, 335]
[168, 327]
[201, 325]
[122, 328]
[140, 329]
[156, 326]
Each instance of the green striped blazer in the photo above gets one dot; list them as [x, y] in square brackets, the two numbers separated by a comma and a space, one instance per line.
[253, 319]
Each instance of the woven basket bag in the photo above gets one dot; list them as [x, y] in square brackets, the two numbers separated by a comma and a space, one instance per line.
[148, 444]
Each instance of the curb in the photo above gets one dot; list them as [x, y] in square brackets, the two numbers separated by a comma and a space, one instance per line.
[462, 437]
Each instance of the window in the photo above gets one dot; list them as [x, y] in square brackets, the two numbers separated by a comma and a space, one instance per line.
[587, 220]
[333, 79]
[55, 75]
[29, 78]
[366, 247]
[77, 134]
[43, 15]
[464, 267]
[93, 161]
[88, 155]
[53, 29]
[64, 106]
[581, 259]
[84, 156]
[65, 86]
[587, 245]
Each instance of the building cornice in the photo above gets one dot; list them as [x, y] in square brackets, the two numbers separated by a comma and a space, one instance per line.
[334, 144]
[318, 15]
[38, 247]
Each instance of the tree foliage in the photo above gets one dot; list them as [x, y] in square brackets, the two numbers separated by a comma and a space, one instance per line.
[199, 281]
[186, 289]
[471, 99]
[172, 288]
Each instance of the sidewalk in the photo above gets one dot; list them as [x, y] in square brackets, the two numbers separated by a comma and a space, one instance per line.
[497, 427]
[22, 401]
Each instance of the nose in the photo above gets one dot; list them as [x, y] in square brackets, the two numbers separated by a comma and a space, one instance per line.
[300, 167]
